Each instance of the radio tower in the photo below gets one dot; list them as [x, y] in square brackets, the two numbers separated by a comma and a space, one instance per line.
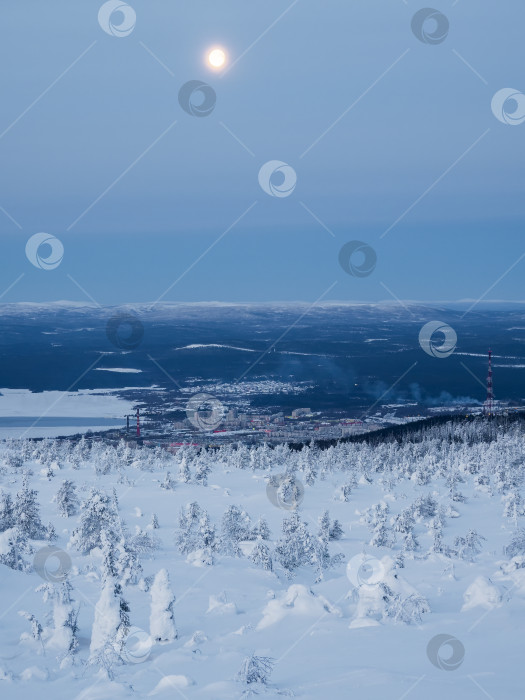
[489, 403]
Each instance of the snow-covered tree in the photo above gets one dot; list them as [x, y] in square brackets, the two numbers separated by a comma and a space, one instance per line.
[36, 627]
[64, 638]
[110, 628]
[7, 511]
[469, 546]
[27, 512]
[261, 530]
[67, 499]
[261, 555]
[255, 669]
[168, 482]
[162, 622]
[12, 544]
[196, 532]
[97, 515]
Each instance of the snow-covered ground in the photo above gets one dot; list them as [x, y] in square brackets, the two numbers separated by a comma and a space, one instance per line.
[49, 413]
[420, 607]
[96, 403]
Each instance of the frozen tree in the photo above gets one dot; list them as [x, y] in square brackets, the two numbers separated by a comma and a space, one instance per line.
[7, 512]
[410, 544]
[26, 511]
[408, 610]
[12, 543]
[513, 506]
[310, 472]
[329, 530]
[261, 530]
[66, 499]
[110, 628]
[154, 522]
[143, 543]
[97, 515]
[206, 533]
[469, 546]
[452, 481]
[295, 548]
[261, 555]
[425, 507]
[517, 544]
[382, 536]
[324, 526]
[119, 560]
[184, 470]
[255, 669]
[202, 471]
[168, 482]
[36, 627]
[196, 532]
[65, 616]
[236, 526]
[376, 515]
[50, 533]
[404, 522]
[161, 621]
[336, 530]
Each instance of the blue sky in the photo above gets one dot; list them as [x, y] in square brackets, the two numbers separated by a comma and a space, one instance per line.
[172, 202]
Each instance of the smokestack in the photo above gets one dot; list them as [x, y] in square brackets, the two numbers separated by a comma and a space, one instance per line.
[489, 403]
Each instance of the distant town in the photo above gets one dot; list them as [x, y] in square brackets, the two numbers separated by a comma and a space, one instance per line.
[204, 428]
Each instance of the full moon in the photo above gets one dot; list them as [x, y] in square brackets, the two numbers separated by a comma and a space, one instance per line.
[217, 58]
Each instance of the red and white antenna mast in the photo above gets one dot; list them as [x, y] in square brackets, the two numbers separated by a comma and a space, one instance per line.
[489, 403]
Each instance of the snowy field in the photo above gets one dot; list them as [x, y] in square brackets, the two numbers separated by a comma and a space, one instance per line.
[417, 591]
[48, 414]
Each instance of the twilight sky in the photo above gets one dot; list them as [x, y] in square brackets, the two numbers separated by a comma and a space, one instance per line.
[91, 152]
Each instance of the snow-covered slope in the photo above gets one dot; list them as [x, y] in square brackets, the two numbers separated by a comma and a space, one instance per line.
[421, 595]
